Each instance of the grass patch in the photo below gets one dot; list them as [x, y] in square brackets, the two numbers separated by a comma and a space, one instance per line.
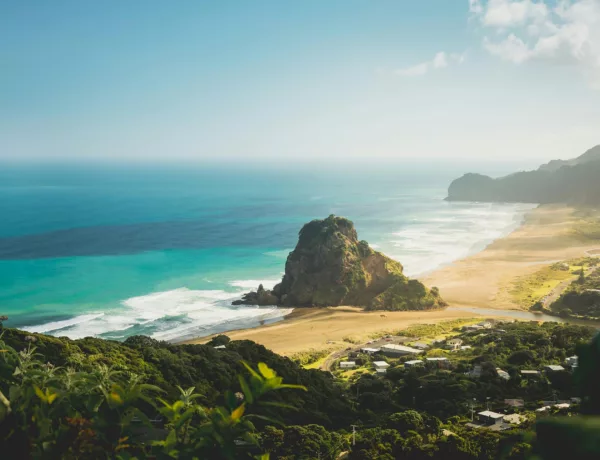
[437, 330]
[351, 339]
[312, 358]
[530, 289]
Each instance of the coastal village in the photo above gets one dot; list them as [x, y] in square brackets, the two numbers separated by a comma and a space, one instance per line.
[429, 354]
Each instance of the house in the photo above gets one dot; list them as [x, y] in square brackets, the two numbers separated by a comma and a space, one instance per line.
[490, 418]
[502, 374]
[420, 346]
[370, 351]
[220, 347]
[380, 366]
[347, 364]
[454, 344]
[438, 362]
[530, 373]
[413, 363]
[399, 350]
[572, 361]
[465, 347]
[514, 402]
[553, 368]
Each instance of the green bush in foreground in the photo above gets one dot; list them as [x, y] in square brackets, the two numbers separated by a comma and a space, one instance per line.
[62, 412]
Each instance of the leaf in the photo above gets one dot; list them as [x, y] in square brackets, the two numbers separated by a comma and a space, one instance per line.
[246, 389]
[40, 394]
[115, 397]
[51, 396]
[266, 371]
[237, 414]
[252, 371]
[295, 387]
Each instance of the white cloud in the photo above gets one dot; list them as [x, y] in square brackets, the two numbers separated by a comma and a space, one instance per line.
[440, 61]
[505, 13]
[565, 31]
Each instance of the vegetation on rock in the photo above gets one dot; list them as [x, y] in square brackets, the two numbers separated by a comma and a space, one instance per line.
[331, 267]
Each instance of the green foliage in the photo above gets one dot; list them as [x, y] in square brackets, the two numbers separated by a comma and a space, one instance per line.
[54, 412]
[581, 298]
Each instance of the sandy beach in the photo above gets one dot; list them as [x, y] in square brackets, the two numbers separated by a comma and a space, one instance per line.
[548, 235]
[482, 280]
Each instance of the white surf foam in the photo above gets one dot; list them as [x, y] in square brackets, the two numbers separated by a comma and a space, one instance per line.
[167, 315]
[57, 325]
[450, 233]
[253, 284]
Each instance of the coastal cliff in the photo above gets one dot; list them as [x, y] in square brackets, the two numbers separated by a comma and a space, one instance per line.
[574, 182]
[331, 267]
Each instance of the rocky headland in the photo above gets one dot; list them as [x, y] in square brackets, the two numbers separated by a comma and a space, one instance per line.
[331, 267]
[572, 182]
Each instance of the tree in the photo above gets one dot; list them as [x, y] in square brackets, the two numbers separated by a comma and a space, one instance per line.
[219, 340]
[405, 421]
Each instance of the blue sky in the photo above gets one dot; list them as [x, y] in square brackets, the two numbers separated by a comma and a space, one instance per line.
[298, 81]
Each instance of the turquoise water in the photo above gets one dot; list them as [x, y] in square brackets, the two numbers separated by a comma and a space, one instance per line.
[113, 252]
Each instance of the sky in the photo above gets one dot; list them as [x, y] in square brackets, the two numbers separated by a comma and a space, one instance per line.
[282, 81]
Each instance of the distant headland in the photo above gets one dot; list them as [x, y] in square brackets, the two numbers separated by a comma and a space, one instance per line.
[572, 182]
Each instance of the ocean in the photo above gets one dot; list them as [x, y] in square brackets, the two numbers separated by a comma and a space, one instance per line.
[95, 250]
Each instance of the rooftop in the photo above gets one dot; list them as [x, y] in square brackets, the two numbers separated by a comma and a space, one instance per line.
[380, 364]
[414, 361]
[348, 363]
[436, 359]
[371, 350]
[490, 414]
[393, 347]
[555, 368]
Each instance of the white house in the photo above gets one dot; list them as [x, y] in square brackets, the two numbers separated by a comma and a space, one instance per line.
[220, 347]
[420, 345]
[488, 417]
[347, 364]
[413, 363]
[380, 365]
[553, 368]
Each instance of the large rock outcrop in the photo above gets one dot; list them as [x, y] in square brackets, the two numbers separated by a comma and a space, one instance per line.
[573, 182]
[331, 267]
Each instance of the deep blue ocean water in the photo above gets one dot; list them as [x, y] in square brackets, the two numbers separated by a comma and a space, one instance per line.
[116, 251]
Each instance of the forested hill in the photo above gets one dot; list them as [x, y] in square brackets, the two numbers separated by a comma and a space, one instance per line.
[573, 181]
